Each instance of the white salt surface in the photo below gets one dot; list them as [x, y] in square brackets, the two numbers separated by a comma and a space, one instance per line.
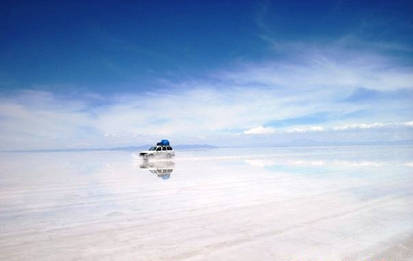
[300, 203]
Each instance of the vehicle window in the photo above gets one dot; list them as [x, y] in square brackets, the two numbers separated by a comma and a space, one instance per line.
[163, 148]
[169, 148]
[158, 149]
[152, 148]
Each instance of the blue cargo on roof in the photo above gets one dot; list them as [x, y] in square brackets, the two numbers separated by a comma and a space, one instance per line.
[165, 142]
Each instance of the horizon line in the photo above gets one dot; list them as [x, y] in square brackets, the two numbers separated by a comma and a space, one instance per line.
[208, 146]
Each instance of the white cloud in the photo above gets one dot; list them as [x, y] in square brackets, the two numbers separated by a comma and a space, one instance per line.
[305, 129]
[362, 126]
[260, 130]
[409, 164]
[408, 123]
[373, 125]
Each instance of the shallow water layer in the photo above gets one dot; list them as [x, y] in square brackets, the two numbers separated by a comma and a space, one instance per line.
[296, 203]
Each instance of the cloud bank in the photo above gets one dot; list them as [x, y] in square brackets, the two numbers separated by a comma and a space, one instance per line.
[310, 96]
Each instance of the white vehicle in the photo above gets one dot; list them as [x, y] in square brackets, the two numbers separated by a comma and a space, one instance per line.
[161, 150]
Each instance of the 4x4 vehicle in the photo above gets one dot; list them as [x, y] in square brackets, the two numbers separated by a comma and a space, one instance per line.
[161, 150]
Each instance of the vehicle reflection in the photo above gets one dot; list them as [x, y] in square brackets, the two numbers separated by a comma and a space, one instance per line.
[162, 169]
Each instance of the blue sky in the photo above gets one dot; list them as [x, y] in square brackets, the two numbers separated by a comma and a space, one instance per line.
[98, 74]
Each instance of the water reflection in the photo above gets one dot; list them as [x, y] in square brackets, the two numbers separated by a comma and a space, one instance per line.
[162, 169]
[331, 203]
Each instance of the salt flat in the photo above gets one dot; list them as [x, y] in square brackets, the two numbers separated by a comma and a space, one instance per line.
[292, 203]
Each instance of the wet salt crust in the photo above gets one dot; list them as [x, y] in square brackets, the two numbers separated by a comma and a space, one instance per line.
[308, 203]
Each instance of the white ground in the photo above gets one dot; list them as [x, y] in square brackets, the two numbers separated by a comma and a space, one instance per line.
[332, 203]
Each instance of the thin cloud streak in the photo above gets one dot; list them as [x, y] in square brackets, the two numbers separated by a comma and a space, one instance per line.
[260, 130]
